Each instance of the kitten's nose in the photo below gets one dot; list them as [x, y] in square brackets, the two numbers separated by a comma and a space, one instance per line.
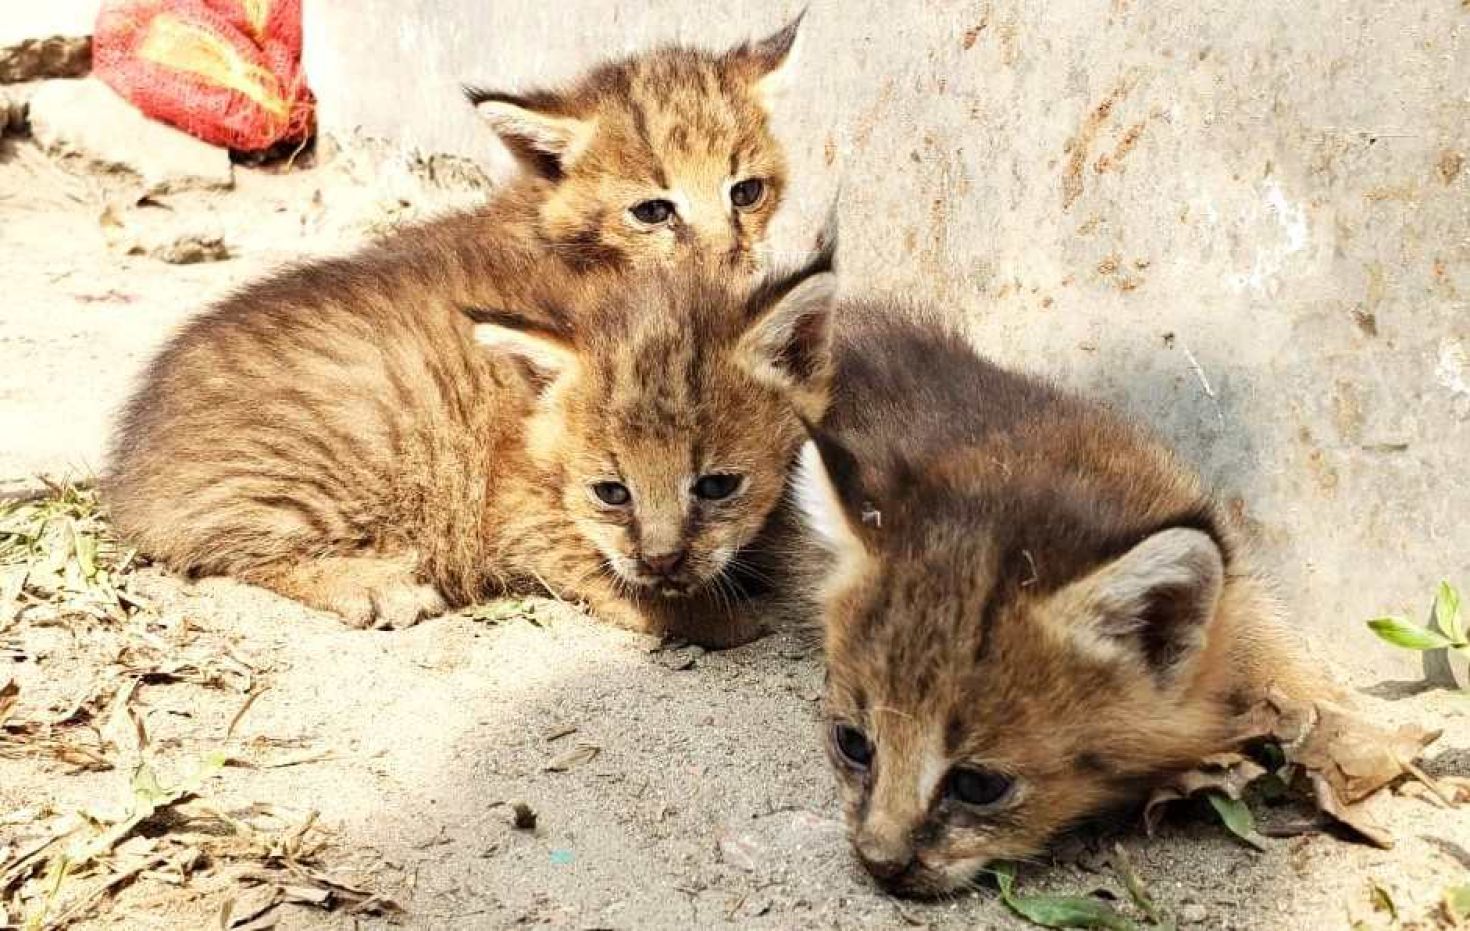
[887, 869]
[885, 859]
[664, 564]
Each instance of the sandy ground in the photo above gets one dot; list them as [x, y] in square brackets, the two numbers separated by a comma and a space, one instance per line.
[708, 802]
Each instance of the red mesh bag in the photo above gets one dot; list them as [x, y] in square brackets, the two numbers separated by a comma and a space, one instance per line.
[227, 71]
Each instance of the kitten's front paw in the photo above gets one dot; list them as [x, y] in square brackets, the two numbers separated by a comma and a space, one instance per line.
[392, 606]
[365, 591]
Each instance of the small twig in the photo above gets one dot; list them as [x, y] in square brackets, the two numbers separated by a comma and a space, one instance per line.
[1204, 382]
[244, 707]
[1427, 781]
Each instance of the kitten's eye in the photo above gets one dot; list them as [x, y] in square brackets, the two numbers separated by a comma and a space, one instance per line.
[853, 745]
[747, 193]
[613, 494]
[977, 786]
[717, 487]
[652, 212]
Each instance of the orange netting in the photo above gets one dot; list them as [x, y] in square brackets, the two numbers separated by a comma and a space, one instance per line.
[227, 71]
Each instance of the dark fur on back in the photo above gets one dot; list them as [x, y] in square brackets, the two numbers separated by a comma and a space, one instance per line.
[942, 428]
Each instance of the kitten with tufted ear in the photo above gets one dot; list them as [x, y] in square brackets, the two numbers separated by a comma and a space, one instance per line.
[1151, 607]
[543, 348]
[768, 64]
[538, 128]
[788, 343]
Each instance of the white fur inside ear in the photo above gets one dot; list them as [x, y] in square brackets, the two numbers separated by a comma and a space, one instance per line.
[817, 500]
[1154, 603]
[770, 341]
[562, 136]
[1176, 560]
[773, 86]
[546, 355]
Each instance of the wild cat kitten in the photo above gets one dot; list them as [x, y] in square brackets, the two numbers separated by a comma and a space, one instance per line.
[640, 160]
[376, 454]
[1032, 608]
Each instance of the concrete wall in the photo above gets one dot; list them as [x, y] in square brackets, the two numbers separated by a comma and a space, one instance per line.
[1247, 222]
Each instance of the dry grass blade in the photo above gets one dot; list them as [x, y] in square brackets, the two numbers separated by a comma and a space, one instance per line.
[167, 834]
[81, 748]
[579, 755]
[238, 716]
[64, 554]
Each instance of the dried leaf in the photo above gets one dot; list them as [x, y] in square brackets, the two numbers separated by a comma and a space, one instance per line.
[1356, 756]
[1224, 773]
[1353, 816]
[1383, 901]
[253, 911]
[579, 755]
[9, 698]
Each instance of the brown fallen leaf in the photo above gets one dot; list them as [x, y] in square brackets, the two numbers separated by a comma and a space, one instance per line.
[579, 755]
[1228, 773]
[1354, 755]
[1337, 754]
[1445, 791]
[1354, 816]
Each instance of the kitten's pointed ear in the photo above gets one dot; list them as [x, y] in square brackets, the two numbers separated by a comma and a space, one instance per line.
[769, 63]
[1154, 604]
[788, 343]
[830, 496]
[536, 128]
[543, 348]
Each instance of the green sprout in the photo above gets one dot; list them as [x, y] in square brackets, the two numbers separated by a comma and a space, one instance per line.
[1446, 629]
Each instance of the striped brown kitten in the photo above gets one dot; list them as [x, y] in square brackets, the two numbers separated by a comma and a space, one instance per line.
[1034, 610]
[649, 158]
[352, 435]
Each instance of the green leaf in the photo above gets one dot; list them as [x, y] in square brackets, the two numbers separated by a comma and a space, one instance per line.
[1058, 911]
[1404, 633]
[86, 549]
[1384, 902]
[1457, 903]
[1447, 613]
[1237, 817]
[1137, 891]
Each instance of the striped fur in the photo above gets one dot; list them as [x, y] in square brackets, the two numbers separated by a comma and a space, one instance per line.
[1020, 582]
[338, 434]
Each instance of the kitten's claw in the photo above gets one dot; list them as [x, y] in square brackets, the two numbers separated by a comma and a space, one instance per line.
[401, 606]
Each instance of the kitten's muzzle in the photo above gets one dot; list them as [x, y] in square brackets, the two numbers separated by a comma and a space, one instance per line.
[896, 867]
[663, 565]
[667, 573]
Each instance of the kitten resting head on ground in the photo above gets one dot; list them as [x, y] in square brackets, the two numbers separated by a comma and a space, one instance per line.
[1033, 610]
[665, 152]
